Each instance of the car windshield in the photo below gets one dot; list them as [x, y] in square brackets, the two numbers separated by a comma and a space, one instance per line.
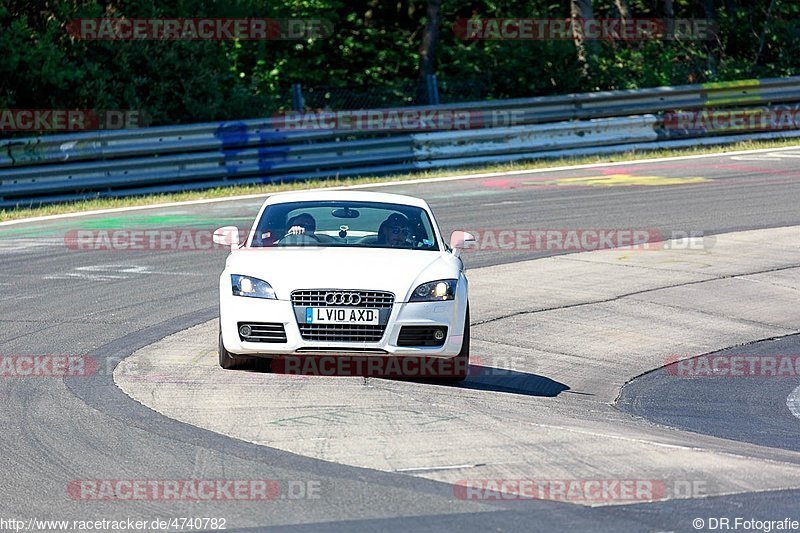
[345, 224]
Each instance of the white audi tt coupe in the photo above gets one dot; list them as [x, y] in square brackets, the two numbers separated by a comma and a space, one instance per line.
[343, 272]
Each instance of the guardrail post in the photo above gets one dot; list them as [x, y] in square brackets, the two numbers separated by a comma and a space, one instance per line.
[298, 103]
[432, 89]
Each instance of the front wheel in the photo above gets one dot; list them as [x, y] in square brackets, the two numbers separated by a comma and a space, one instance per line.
[230, 361]
[461, 361]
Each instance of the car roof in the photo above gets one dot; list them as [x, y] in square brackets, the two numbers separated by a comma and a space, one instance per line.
[356, 196]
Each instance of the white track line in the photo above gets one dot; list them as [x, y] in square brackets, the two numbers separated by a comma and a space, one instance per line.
[393, 183]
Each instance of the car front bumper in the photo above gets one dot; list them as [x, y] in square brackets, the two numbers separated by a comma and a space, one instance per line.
[237, 309]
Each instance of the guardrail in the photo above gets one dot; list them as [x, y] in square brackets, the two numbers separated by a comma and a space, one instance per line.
[57, 168]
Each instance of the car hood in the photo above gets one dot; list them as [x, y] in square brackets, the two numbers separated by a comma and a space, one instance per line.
[397, 271]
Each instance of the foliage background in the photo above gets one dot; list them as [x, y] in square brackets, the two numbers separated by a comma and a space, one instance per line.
[374, 52]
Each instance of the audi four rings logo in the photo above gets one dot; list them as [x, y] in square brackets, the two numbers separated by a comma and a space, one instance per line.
[342, 298]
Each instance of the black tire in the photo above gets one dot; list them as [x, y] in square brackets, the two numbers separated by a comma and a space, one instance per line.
[461, 361]
[230, 361]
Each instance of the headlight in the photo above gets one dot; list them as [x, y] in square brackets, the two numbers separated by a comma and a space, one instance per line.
[252, 287]
[434, 291]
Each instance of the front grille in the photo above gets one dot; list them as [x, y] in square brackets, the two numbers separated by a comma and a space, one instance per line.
[421, 336]
[264, 332]
[342, 332]
[316, 298]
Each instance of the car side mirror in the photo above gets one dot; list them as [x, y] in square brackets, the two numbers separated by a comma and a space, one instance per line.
[227, 236]
[459, 240]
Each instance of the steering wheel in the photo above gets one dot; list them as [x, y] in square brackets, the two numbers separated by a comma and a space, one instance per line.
[298, 238]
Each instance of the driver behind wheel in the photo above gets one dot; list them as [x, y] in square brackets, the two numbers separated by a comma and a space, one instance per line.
[302, 224]
[394, 231]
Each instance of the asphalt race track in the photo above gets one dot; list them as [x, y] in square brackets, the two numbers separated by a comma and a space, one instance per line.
[751, 409]
[740, 432]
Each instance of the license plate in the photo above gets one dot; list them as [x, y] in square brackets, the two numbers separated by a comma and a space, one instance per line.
[341, 315]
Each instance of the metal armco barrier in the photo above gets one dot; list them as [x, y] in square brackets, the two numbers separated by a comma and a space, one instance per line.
[55, 168]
